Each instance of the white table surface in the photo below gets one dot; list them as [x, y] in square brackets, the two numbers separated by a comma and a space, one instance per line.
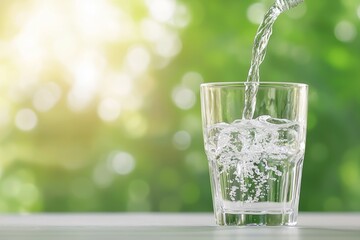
[171, 226]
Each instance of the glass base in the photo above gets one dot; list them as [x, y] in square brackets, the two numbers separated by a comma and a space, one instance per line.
[245, 219]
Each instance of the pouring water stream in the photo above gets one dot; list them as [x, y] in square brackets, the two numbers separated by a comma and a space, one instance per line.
[259, 51]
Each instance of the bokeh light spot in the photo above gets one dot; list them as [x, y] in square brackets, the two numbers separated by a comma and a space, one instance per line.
[168, 46]
[138, 59]
[46, 97]
[135, 125]
[122, 162]
[97, 20]
[345, 31]
[182, 140]
[29, 194]
[161, 10]
[11, 187]
[192, 80]
[182, 16]
[119, 86]
[103, 175]
[184, 98]
[26, 119]
[152, 30]
[86, 80]
[255, 13]
[109, 109]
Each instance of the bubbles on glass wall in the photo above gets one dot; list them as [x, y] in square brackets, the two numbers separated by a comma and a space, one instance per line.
[345, 31]
[26, 119]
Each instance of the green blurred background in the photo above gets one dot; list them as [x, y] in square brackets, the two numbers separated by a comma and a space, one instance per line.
[99, 100]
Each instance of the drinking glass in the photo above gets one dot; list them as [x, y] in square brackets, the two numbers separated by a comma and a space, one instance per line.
[255, 164]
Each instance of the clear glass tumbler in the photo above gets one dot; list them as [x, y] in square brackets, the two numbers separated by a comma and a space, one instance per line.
[255, 164]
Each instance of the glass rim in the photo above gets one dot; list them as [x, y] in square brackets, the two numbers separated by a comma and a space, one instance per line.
[260, 84]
